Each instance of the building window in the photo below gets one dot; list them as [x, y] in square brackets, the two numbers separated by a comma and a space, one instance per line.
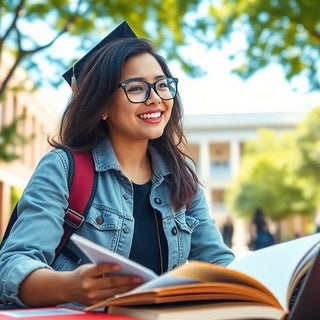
[220, 161]
[218, 202]
[220, 170]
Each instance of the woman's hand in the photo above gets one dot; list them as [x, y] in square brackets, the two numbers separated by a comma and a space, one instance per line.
[88, 284]
[91, 283]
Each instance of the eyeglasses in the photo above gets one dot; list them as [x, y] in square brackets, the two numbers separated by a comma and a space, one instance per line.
[138, 91]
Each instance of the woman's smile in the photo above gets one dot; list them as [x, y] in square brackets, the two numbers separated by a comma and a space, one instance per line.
[151, 116]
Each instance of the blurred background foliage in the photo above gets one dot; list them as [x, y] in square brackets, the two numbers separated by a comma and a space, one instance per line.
[284, 32]
[276, 31]
[280, 173]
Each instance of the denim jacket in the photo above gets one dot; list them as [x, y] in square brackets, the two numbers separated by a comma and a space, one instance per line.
[191, 234]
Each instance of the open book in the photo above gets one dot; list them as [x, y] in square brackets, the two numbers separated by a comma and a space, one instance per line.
[259, 285]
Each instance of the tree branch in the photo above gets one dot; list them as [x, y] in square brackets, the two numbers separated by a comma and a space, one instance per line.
[13, 23]
[24, 53]
[6, 80]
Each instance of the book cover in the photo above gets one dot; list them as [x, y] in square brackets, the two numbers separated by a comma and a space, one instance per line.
[192, 311]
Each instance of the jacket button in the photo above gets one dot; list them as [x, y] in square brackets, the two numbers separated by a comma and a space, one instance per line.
[157, 201]
[99, 220]
[174, 231]
[126, 230]
[125, 196]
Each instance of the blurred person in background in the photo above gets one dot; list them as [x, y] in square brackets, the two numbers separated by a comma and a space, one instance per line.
[227, 231]
[260, 235]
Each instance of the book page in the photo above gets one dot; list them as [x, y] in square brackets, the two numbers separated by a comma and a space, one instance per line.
[196, 280]
[99, 254]
[196, 272]
[275, 266]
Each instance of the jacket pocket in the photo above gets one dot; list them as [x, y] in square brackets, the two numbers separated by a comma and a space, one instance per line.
[103, 225]
[186, 223]
[104, 219]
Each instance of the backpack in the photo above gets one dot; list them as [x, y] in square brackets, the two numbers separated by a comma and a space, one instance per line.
[82, 186]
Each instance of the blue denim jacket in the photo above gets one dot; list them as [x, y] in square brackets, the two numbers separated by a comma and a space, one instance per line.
[191, 234]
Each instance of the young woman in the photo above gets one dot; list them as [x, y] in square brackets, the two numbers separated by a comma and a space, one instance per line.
[148, 204]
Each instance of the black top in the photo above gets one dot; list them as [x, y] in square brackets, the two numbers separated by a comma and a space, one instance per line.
[145, 243]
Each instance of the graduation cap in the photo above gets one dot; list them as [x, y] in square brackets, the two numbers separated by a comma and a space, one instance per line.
[122, 31]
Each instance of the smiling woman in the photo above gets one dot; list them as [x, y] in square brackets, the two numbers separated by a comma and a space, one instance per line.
[148, 204]
[147, 100]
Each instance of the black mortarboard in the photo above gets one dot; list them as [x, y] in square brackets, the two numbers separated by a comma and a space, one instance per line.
[122, 31]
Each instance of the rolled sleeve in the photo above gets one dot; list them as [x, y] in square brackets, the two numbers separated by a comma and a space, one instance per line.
[10, 283]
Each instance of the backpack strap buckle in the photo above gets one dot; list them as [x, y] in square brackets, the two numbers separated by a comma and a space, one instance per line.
[73, 218]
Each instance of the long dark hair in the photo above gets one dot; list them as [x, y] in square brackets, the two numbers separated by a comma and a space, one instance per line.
[81, 126]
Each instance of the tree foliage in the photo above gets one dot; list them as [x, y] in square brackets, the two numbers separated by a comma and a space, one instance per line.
[285, 32]
[29, 28]
[267, 180]
[276, 31]
[11, 138]
[162, 21]
[307, 161]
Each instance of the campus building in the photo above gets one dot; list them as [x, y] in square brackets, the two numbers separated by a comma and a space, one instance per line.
[216, 144]
[39, 122]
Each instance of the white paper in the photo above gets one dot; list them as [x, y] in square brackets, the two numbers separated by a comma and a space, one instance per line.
[275, 266]
[99, 254]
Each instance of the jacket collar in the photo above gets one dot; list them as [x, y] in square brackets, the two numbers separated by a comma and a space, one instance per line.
[105, 159]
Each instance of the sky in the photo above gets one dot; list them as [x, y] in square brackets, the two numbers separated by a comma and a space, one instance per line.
[219, 91]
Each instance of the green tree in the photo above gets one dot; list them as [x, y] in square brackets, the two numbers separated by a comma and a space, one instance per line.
[29, 28]
[165, 22]
[267, 180]
[11, 138]
[284, 32]
[307, 161]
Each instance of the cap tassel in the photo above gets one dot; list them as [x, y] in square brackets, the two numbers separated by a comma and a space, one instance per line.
[73, 79]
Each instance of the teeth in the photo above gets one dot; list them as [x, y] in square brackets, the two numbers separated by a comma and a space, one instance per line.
[150, 115]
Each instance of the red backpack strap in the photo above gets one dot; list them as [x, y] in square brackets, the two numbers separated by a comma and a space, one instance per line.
[81, 192]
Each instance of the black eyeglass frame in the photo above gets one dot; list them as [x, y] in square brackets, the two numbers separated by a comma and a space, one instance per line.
[150, 86]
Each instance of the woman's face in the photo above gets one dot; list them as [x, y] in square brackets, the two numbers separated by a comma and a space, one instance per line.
[139, 121]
